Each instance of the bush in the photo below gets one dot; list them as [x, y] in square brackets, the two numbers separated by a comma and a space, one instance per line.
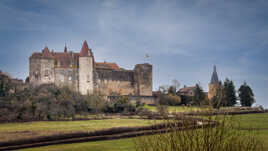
[47, 102]
[222, 137]
[121, 105]
[169, 99]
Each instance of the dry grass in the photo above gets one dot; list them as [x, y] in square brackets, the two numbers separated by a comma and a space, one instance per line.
[224, 137]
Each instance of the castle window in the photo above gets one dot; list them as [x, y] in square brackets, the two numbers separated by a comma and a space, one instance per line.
[88, 78]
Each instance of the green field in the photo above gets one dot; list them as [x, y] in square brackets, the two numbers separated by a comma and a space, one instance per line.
[113, 145]
[246, 121]
[177, 108]
[13, 131]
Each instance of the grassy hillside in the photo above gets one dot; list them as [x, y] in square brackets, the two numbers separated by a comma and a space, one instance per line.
[12, 131]
[247, 121]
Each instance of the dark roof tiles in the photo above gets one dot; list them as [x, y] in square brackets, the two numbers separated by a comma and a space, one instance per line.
[106, 65]
[84, 51]
[214, 77]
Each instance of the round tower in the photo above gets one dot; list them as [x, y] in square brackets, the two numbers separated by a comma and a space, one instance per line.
[86, 62]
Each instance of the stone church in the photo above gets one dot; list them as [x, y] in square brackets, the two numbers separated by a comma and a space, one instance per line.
[80, 72]
[214, 84]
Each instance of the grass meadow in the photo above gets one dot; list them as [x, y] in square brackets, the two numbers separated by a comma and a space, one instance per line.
[247, 121]
[177, 108]
[14, 131]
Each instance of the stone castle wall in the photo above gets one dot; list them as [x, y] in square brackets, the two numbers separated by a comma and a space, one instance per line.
[41, 71]
[143, 78]
[111, 82]
[67, 77]
[150, 100]
[85, 72]
[125, 82]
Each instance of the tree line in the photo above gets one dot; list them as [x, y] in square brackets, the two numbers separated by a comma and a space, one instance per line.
[226, 95]
[49, 102]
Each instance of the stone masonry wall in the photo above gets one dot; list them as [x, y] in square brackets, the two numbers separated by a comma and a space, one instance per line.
[41, 71]
[150, 100]
[35, 69]
[85, 72]
[115, 82]
[143, 78]
[67, 77]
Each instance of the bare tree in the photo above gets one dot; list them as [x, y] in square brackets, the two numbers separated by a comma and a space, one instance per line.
[176, 84]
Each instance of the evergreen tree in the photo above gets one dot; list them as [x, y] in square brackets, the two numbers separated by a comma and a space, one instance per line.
[199, 95]
[246, 95]
[229, 93]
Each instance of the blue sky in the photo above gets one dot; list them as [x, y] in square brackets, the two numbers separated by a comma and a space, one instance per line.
[183, 38]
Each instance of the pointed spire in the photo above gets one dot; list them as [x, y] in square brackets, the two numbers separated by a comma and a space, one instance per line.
[46, 52]
[65, 48]
[214, 78]
[84, 50]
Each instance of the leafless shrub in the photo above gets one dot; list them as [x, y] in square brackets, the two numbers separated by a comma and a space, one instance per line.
[225, 136]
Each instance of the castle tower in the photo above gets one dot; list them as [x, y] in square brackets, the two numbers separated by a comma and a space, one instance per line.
[86, 61]
[143, 79]
[214, 83]
[42, 68]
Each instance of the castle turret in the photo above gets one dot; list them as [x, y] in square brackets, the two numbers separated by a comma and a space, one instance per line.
[41, 67]
[143, 79]
[214, 83]
[86, 62]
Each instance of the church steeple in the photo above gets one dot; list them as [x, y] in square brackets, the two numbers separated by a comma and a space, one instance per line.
[65, 48]
[214, 78]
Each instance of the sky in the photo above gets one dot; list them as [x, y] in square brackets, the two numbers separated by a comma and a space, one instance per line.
[184, 38]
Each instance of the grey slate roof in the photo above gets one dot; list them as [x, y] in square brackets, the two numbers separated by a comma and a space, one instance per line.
[214, 78]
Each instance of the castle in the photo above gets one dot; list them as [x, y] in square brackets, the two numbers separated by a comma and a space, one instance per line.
[81, 73]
